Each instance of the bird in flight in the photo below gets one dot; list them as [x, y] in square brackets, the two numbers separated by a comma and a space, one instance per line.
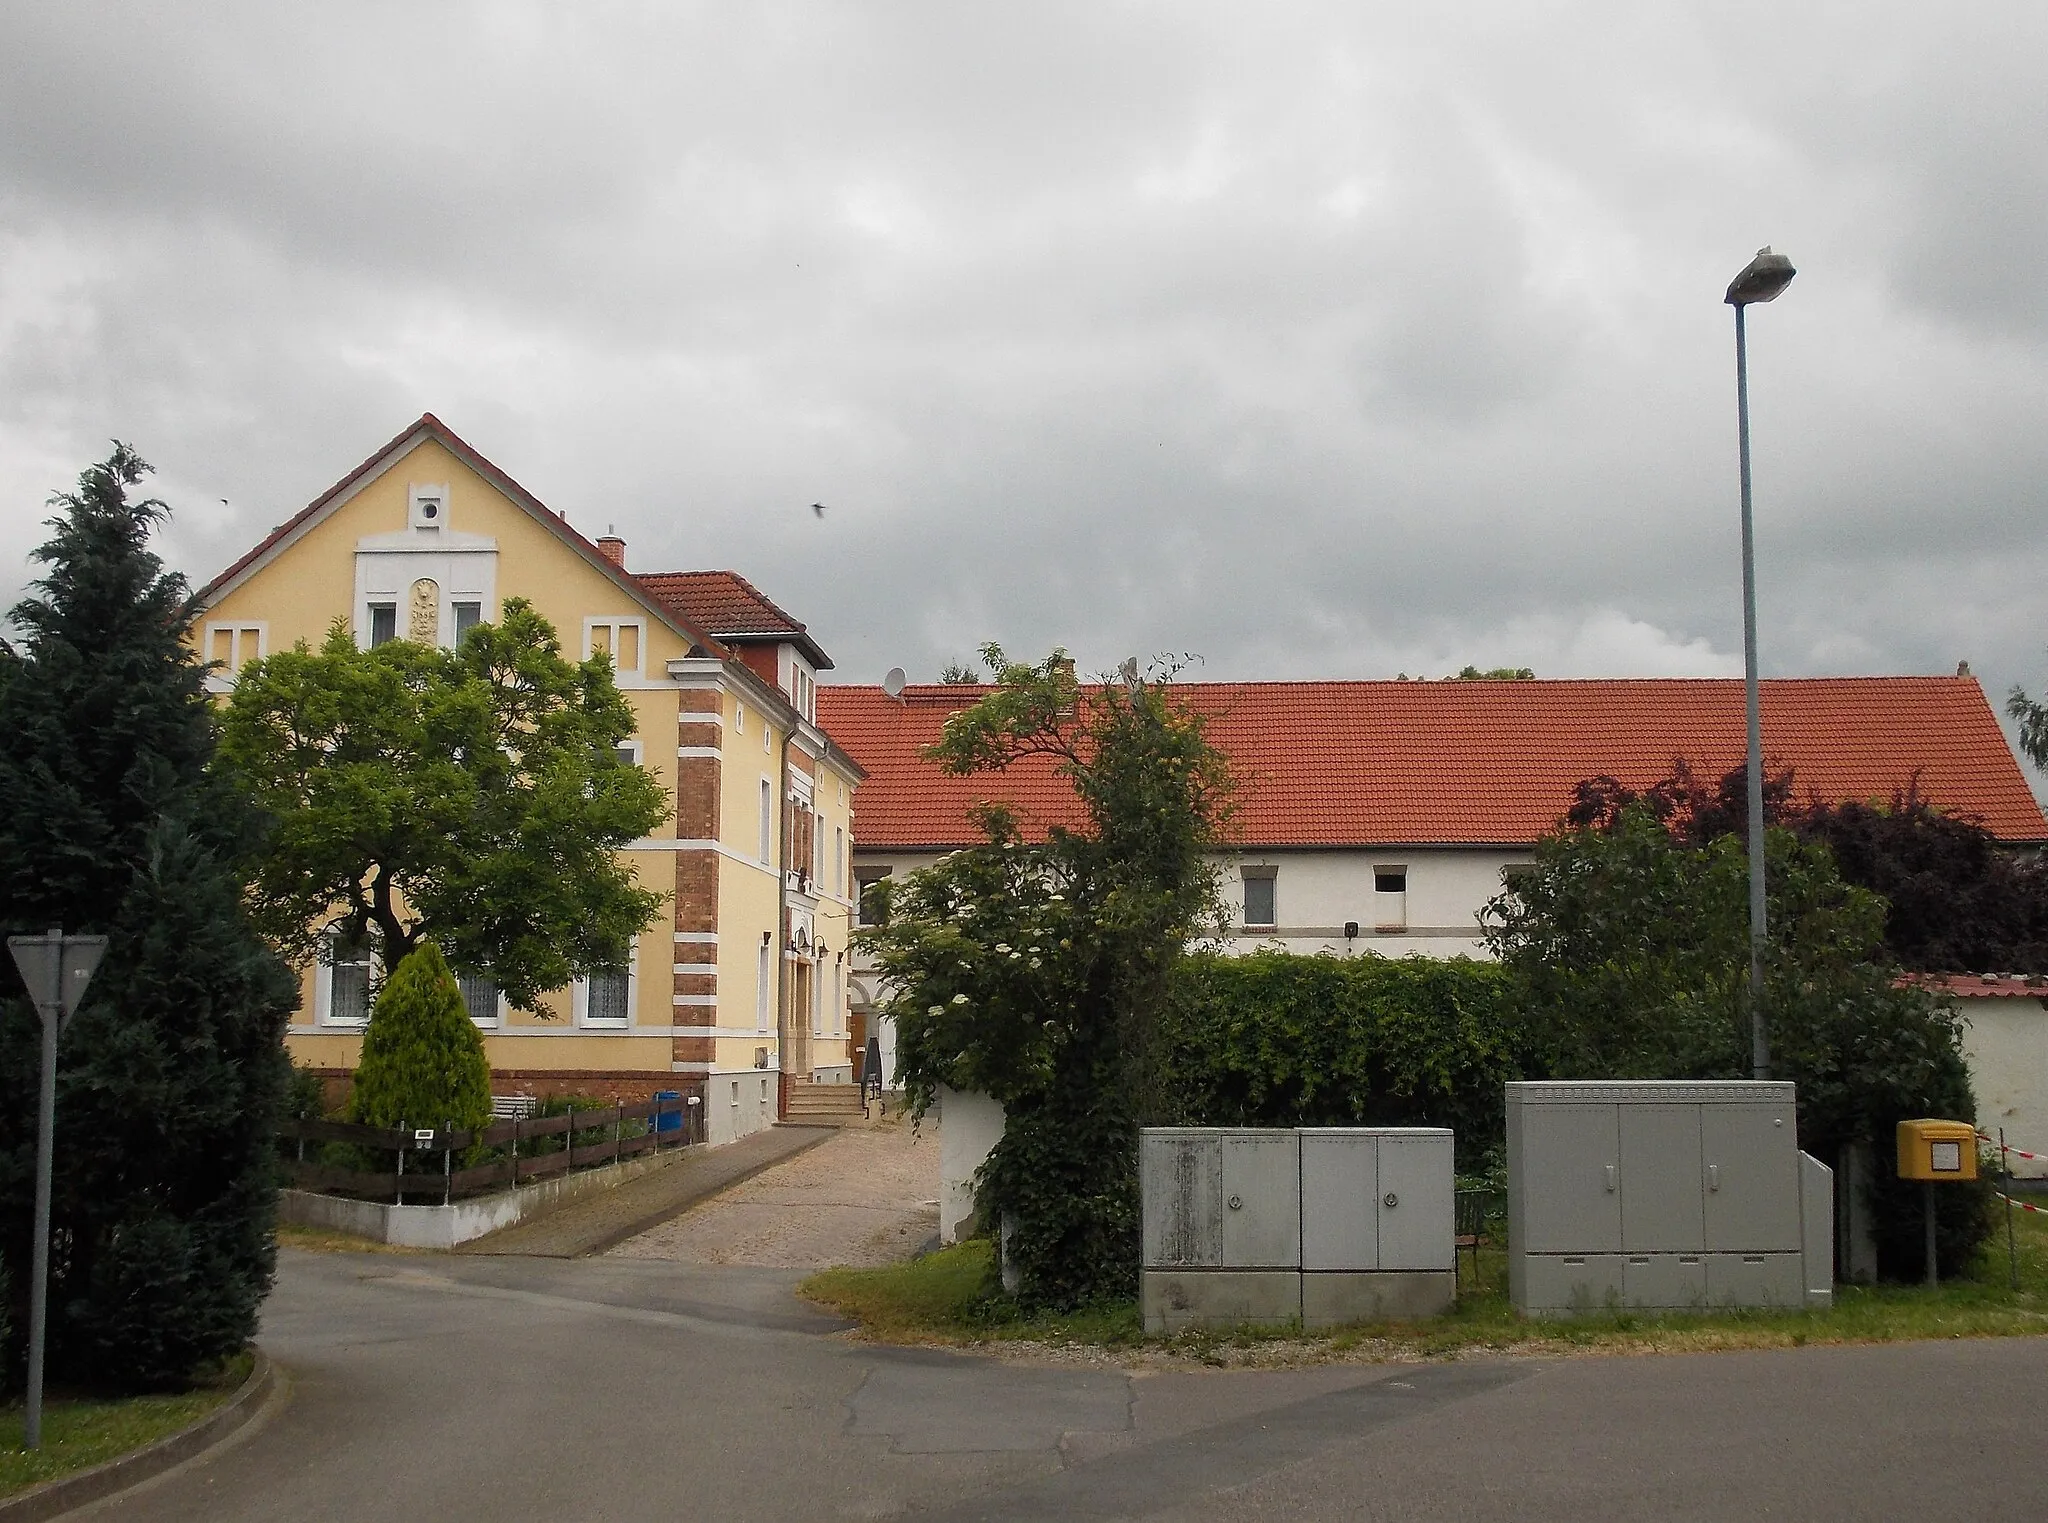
[818, 508]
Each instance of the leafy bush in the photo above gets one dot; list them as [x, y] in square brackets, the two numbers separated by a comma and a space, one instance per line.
[423, 1063]
[1629, 952]
[1277, 1039]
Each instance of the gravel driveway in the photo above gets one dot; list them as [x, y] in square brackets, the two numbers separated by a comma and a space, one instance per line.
[869, 1196]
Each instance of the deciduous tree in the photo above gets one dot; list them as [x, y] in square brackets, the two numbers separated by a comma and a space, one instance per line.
[474, 795]
[1036, 970]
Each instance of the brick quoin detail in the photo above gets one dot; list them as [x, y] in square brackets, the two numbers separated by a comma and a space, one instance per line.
[700, 701]
[692, 1049]
[711, 735]
[697, 890]
[697, 786]
[694, 983]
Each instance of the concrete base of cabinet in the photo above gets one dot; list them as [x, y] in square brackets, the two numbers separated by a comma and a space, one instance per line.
[1334, 1297]
[1563, 1285]
[1175, 1299]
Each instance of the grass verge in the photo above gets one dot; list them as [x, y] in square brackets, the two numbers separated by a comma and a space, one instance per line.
[85, 1431]
[947, 1298]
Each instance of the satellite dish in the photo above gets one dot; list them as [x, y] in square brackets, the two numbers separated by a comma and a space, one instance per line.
[894, 682]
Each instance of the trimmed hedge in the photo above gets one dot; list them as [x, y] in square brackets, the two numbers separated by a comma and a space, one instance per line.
[1279, 1039]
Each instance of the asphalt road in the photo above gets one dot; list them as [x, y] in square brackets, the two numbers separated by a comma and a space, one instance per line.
[507, 1389]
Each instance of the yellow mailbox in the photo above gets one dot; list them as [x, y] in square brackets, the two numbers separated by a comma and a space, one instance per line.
[1937, 1150]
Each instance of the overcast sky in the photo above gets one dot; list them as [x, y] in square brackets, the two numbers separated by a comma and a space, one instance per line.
[1319, 341]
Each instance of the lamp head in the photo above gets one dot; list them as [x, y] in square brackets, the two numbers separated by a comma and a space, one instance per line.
[1761, 279]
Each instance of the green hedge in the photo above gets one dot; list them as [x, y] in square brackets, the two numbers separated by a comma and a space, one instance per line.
[1277, 1039]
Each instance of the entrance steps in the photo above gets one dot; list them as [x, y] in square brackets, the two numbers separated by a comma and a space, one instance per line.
[825, 1105]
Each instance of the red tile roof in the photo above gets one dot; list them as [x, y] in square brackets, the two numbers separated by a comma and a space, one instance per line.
[1471, 763]
[729, 606]
[1980, 985]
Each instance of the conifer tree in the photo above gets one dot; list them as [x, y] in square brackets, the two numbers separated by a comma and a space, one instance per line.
[112, 821]
[423, 1063]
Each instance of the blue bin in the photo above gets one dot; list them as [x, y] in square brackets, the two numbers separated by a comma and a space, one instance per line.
[668, 1121]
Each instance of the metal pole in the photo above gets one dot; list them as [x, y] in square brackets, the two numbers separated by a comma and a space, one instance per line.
[46, 1127]
[2012, 1247]
[1933, 1273]
[1759, 1041]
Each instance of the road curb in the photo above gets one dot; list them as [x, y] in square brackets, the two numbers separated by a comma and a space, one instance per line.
[648, 1223]
[66, 1493]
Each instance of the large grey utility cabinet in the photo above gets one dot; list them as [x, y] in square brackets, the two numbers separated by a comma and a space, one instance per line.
[1663, 1194]
[1326, 1224]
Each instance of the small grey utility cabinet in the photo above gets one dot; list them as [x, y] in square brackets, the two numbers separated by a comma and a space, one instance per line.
[1326, 1224]
[1663, 1194]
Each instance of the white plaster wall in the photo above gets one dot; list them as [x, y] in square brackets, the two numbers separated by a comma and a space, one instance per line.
[1317, 892]
[728, 1122]
[969, 1126]
[2005, 1041]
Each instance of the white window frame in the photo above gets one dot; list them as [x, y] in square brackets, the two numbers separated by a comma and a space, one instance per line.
[767, 822]
[581, 997]
[764, 976]
[635, 748]
[739, 718]
[369, 626]
[242, 635]
[1247, 878]
[323, 988]
[838, 859]
[497, 1016]
[1390, 906]
[614, 625]
[455, 606]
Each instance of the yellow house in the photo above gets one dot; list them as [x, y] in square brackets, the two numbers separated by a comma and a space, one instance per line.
[739, 991]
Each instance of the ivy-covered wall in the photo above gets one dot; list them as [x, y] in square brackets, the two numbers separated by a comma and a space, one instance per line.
[1276, 1039]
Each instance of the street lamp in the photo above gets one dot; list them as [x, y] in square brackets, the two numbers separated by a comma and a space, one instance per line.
[1762, 279]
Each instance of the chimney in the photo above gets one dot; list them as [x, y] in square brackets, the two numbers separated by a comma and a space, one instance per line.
[613, 549]
[1962, 668]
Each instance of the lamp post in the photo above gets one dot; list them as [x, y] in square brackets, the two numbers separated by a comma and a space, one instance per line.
[1761, 280]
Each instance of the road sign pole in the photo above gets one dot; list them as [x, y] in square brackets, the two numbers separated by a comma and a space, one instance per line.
[56, 969]
[39, 1291]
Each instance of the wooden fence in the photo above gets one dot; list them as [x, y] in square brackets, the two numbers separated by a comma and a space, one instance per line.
[425, 1158]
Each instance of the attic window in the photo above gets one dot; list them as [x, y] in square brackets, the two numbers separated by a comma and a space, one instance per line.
[624, 640]
[383, 623]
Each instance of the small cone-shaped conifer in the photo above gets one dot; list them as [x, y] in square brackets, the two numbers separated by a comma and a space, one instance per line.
[113, 820]
[423, 1063]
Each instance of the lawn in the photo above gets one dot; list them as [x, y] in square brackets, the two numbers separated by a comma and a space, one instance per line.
[80, 1432]
[945, 1298]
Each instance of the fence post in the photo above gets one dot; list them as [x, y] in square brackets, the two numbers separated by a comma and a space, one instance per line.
[447, 1163]
[569, 1141]
[618, 1127]
[398, 1195]
[516, 1124]
[2012, 1247]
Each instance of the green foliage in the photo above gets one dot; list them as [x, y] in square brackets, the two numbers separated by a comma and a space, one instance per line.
[1629, 950]
[423, 1063]
[2032, 719]
[474, 795]
[171, 1073]
[1277, 1039]
[1495, 674]
[305, 1095]
[1038, 971]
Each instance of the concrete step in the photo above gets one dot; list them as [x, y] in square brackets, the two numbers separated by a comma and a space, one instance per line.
[825, 1104]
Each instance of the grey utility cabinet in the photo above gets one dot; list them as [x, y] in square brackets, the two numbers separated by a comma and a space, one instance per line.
[1329, 1225]
[1663, 1194]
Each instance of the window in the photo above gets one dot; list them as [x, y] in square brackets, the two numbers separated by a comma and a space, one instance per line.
[871, 905]
[735, 1094]
[767, 739]
[764, 985]
[344, 987]
[1261, 907]
[838, 859]
[479, 997]
[467, 617]
[767, 819]
[739, 718]
[818, 1003]
[383, 623]
[233, 646]
[1390, 898]
[624, 640]
[605, 998]
[628, 753]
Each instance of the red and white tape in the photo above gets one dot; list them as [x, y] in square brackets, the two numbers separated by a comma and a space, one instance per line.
[2024, 1205]
[2016, 1152]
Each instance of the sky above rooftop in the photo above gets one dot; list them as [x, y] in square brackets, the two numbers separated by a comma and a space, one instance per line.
[1311, 340]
